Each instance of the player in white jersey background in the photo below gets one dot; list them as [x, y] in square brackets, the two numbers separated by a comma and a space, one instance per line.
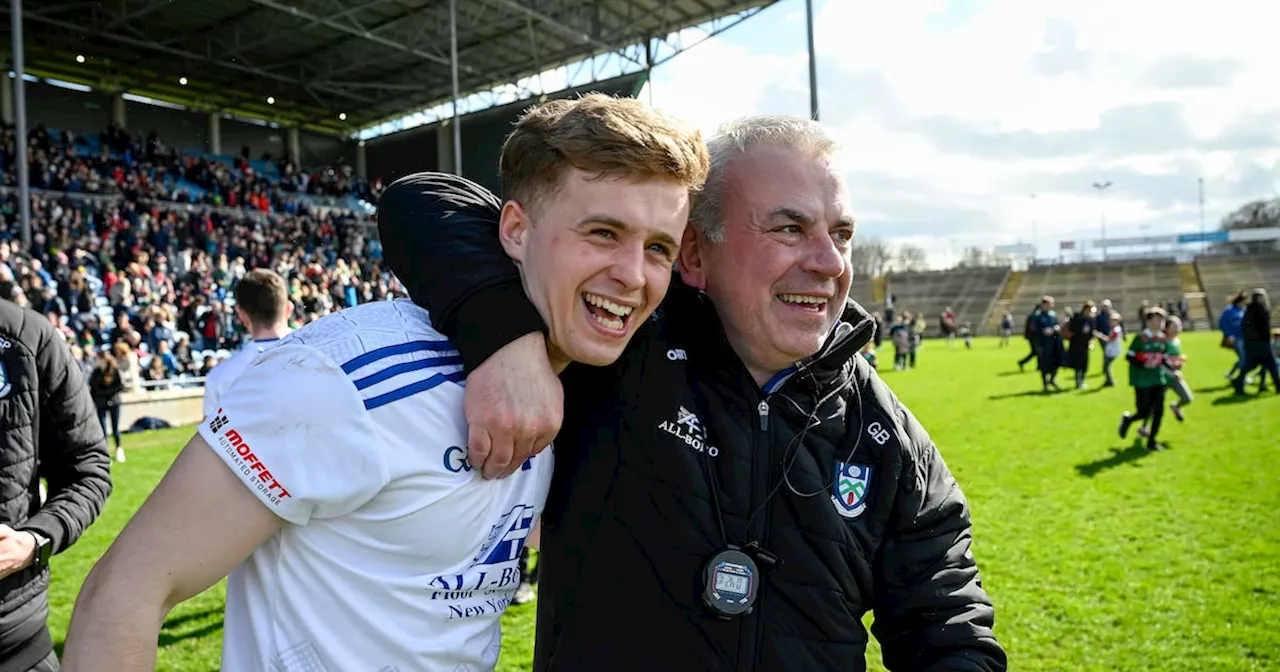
[332, 483]
[263, 307]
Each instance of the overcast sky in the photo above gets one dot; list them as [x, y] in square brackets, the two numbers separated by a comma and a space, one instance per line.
[953, 113]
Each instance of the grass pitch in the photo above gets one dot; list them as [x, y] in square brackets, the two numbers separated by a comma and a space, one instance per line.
[1098, 555]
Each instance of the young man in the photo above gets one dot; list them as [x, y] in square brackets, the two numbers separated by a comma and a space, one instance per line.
[263, 307]
[1147, 376]
[333, 483]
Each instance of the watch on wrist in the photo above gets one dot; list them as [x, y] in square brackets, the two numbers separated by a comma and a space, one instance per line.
[44, 549]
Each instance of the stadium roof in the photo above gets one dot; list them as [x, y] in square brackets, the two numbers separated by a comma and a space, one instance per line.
[370, 60]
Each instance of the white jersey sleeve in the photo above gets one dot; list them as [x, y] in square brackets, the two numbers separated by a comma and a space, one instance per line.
[295, 431]
[212, 391]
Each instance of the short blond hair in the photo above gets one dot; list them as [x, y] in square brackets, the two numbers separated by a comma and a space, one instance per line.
[598, 134]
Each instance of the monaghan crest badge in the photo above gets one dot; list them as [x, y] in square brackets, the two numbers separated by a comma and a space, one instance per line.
[849, 492]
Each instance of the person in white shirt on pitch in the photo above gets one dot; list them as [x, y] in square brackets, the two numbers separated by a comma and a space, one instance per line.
[263, 307]
[332, 482]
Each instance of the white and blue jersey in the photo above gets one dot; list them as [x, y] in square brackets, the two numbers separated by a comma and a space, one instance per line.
[395, 554]
[221, 376]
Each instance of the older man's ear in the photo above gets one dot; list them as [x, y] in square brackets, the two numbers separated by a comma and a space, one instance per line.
[690, 262]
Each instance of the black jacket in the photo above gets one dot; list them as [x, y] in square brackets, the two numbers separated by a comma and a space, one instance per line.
[48, 428]
[1257, 323]
[851, 504]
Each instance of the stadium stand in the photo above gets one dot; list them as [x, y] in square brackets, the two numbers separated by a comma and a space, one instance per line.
[138, 247]
[1223, 276]
[971, 293]
[1126, 283]
[115, 163]
[862, 290]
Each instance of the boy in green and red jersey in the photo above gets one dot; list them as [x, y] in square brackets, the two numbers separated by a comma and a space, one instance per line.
[1173, 362]
[1147, 376]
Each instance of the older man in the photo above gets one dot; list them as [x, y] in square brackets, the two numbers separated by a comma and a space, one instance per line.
[740, 488]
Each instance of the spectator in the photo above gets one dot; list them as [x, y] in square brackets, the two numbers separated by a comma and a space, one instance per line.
[48, 434]
[1256, 330]
[1081, 333]
[1231, 324]
[106, 385]
[262, 306]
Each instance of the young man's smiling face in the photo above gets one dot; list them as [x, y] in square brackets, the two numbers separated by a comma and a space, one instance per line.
[596, 255]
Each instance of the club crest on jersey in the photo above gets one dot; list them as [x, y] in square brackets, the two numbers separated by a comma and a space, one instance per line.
[849, 492]
[5, 385]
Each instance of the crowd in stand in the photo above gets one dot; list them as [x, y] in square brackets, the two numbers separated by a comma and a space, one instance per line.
[145, 279]
[136, 167]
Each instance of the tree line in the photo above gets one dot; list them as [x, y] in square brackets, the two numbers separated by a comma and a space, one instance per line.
[875, 257]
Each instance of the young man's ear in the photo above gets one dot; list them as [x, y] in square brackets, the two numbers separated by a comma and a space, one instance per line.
[690, 261]
[513, 229]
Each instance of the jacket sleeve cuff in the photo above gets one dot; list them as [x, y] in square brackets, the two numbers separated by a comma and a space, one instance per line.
[49, 527]
[489, 320]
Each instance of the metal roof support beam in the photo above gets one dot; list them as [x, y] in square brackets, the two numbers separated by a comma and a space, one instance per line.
[349, 11]
[182, 53]
[125, 17]
[559, 27]
[364, 34]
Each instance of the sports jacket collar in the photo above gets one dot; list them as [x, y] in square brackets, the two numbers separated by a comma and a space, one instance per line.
[691, 316]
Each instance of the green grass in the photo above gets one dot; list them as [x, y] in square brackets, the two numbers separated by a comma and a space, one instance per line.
[1098, 555]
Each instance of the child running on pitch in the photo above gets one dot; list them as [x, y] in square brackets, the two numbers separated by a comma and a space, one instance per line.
[1173, 362]
[1113, 348]
[1147, 376]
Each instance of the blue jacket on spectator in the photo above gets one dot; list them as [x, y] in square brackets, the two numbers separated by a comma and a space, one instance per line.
[1231, 323]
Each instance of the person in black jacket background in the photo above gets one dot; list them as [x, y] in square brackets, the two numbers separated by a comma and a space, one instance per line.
[106, 387]
[741, 419]
[1257, 343]
[47, 430]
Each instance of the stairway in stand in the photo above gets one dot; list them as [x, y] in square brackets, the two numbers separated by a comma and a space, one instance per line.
[1003, 303]
[1197, 309]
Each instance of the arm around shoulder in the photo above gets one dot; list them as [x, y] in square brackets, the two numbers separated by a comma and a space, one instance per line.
[931, 611]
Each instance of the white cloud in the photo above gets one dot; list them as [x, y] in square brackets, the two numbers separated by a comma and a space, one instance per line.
[954, 111]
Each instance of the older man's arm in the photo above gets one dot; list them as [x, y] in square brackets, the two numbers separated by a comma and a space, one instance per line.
[931, 611]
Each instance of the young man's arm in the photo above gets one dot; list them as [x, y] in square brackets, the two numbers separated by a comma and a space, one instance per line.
[197, 525]
[440, 238]
[288, 444]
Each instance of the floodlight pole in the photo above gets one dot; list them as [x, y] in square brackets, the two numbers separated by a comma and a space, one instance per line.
[20, 125]
[813, 62]
[1102, 188]
[453, 65]
[1204, 243]
[1035, 249]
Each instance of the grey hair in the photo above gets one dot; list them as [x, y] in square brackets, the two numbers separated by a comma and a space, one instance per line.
[735, 138]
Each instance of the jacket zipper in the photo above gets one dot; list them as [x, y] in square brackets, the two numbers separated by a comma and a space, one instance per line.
[749, 654]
